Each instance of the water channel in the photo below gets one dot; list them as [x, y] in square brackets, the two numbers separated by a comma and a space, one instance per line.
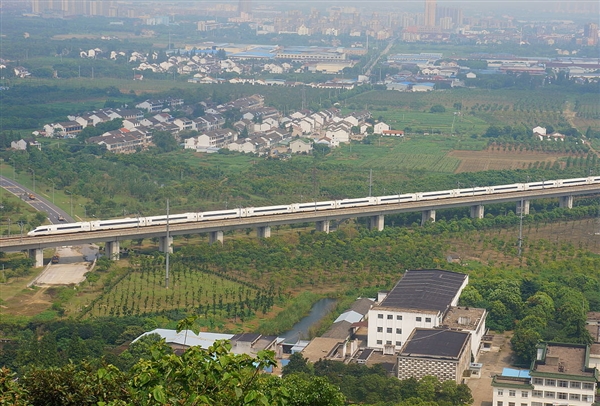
[300, 331]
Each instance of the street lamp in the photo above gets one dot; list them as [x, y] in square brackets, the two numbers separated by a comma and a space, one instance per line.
[33, 178]
[53, 186]
[14, 165]
[70, 194]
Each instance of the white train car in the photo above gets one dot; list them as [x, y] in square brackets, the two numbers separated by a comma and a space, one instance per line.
[474, 191]
[396, 199]
[574, 182]
[313, 206]
[442, 194]
[546, 184]
[173, 219]
[128, 222]
[60, 229]
[222, 214]
[515, 187]
[266, 210]
[362, 201]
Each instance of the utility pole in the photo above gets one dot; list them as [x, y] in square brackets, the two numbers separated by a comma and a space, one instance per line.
[521, 228]
[370, 181]
[167, 246]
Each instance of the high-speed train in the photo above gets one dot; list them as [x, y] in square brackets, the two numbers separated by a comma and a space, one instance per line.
[133, 222]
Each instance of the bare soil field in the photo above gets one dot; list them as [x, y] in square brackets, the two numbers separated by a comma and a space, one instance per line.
[488, 159]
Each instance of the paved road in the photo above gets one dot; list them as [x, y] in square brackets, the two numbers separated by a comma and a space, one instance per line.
[73, 264]
[40, 203]
[384, 52]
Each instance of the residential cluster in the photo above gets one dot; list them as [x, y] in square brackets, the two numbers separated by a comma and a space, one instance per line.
[418, 329]
[258, 129]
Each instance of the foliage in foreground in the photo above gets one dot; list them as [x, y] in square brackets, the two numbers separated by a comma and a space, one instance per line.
[198, 377]
[373, 385]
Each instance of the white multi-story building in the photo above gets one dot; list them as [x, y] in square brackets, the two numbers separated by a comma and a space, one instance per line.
[420, 299]
[560, 376]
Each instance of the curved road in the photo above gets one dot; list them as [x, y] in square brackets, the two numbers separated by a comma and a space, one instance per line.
[40, 203]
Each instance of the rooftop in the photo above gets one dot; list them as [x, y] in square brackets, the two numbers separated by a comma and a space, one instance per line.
[435, 343]
[466, 318]
[427, 289]
[320, 348]
[563, 359]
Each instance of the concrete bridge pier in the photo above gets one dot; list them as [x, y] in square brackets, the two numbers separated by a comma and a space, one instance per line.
[263, 232]
[164, 245]
[524, 209]
[322, 226]
[215, 236]
[477, 211]
[565, 202]
[428, 215]
[37, 254]
[112, 250]
[376, 222]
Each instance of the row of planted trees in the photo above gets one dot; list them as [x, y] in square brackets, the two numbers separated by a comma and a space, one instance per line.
[192, 289]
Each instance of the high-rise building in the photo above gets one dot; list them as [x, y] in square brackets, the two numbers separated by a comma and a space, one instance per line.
[590, 32]
[244, 6]
[430, 8]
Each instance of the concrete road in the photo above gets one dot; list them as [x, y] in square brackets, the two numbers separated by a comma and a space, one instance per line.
[40, 203]
[73, 264]
[498, 357]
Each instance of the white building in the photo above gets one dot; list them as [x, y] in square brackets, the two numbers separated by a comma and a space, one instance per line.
[560, 375]
[300, 146]
[379, 128]
[420, 299]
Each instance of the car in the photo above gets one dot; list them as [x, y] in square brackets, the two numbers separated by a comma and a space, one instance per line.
[61, 218]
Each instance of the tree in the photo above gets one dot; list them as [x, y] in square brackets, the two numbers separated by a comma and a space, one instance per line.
[164, 141]
[211, 376]
[438, 108]
[524, 343]
[303, 390]
[297, 364]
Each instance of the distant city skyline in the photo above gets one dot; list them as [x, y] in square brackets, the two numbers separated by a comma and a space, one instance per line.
[430, 9]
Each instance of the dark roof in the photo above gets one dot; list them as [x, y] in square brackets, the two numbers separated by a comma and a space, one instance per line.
[426, 289]
[362, 305]
[365, 354]
[340, 330]
[247, 337]
[435, 343]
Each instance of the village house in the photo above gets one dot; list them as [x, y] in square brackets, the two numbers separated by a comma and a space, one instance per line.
[22, 144]
[379, 128]
[300, 146]
[211, 139]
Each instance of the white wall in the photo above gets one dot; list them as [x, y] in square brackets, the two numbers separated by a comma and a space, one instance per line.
[407, 324]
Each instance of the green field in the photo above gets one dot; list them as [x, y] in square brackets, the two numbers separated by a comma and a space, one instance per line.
[420, 152]
[479, 108]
